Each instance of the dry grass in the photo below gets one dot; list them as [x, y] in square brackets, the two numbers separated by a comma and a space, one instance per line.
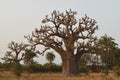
[56, 76]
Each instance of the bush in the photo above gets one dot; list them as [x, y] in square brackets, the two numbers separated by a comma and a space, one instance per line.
[106, 69]
[47, 67]
[95, 68]
[17, 69]
[51, 67]
[84, 69]
[117, 70]
[6, 66]
[34, 67]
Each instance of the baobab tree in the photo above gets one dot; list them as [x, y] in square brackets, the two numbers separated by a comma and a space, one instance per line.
[66, 35]
[15, 53]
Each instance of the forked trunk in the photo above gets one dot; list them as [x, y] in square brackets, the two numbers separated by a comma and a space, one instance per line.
[70, 66]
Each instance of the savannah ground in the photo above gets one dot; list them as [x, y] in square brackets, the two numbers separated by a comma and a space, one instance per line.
[5, 75]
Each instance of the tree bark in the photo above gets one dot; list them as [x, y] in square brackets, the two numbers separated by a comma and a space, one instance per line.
[70, 66]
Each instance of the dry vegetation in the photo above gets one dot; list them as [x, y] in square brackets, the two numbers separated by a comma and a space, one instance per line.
[56, 76]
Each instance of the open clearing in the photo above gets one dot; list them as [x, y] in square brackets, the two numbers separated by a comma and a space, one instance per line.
[56, 76]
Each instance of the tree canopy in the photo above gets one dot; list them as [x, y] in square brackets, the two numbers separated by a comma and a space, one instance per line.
[16, 52]
[66, 35]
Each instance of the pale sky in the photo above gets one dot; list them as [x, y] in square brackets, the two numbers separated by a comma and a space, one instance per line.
[21, 17]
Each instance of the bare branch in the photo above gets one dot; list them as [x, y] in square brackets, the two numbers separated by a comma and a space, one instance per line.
[63, 31]
[16, 49]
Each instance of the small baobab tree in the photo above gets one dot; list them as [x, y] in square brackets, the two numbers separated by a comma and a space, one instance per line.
[15, 55]
[66, 35]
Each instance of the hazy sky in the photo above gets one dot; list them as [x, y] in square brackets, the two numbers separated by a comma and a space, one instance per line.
[21, 17]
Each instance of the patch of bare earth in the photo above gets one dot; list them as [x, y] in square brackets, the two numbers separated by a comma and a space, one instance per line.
[56, 76]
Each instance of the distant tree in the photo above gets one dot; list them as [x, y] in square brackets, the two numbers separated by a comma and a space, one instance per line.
[66, 35]
[107, 49]
[85, 58]
[92, 60]
[14, 56]
[16, 52]
[28, 56]
[117, 57]
[50, 57]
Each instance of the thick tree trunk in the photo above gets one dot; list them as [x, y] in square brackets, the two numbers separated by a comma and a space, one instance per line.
[70, 66]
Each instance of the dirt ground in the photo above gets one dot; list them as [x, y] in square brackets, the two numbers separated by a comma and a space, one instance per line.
[56, 76]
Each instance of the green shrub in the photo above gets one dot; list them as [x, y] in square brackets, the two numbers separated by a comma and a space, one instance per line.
[35, 67]
[48, 67]
[84, 69]
[17, 69]
[106, 70]
[116, 70]
[6, 66]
